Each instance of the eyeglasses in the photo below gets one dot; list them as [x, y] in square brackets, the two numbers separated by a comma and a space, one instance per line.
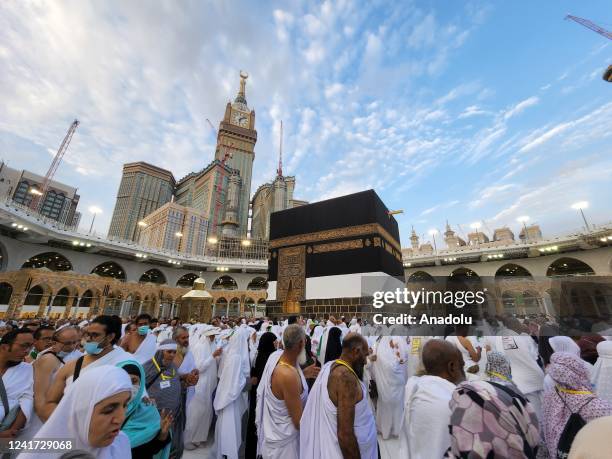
[92, 335]
[69, 343]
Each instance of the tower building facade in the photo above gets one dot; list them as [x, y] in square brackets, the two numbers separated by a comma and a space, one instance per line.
[143, 189]
[236, 146]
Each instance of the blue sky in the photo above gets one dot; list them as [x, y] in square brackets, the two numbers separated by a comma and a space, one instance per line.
[458, 111]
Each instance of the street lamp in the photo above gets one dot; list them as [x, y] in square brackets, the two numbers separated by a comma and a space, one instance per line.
[94, 210]
[213, 240]
[579, 206]
[524, 219]
[433, 233]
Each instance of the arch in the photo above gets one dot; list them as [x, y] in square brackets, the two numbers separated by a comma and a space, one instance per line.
[224, 283]
[187, 280]
[6, 291]
[220, 306]
[531, 302]
[109, 269]
[61, 297]
[86, 299]
[463, 274]
[258, 283]
[113, 303]
[234, 307]
[512, 270]
[155, 276]
[51, 260]
[568, 266]
[34, 296]
[421, 276]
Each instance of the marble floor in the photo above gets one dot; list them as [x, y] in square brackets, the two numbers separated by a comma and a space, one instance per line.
[388, 449]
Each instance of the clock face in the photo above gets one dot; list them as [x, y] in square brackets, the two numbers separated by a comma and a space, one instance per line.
[240, 119]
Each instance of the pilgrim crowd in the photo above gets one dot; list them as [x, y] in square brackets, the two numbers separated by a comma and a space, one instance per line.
[508, 387]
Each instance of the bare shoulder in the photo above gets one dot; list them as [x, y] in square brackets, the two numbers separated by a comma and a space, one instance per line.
[67, 369]
[45, 362]
[342, 383]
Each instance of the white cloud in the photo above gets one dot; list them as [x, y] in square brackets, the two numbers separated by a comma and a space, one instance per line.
[521, 106]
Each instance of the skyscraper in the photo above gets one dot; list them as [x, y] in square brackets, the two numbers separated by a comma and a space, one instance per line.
[143, 189]
[176, 228]
[236, 144]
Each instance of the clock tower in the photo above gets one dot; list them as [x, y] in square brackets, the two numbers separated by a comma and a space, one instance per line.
[236, 143]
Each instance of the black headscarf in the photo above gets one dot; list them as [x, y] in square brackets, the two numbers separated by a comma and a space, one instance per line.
[334, 344]
[265, 348]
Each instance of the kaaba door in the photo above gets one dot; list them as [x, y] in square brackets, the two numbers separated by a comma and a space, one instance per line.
[291, 305]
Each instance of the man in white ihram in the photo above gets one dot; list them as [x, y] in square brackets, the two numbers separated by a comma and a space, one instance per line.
[231, 401]
[424, 432]
[338, 420]
[281, 396]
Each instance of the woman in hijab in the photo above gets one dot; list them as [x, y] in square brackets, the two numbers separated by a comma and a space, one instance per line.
[333, 344]
[491, 420]
[311, 359]
[572, 394]
[564, 344]
[164, 386]
[91, 413]
[267, 345]
[498, 369]
[148, 432]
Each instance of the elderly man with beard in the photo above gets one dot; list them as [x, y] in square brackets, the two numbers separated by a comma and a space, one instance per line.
[338, 421]
[281, 396]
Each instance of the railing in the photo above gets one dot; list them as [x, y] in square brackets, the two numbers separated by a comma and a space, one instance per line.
[583, 235]
[225, 251]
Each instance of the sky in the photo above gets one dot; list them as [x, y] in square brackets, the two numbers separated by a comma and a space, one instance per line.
[464, 112]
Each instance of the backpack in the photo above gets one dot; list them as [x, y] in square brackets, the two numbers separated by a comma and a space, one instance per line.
[572, 427]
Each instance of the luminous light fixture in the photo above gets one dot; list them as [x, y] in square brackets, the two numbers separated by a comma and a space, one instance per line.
[14, 225]
[246, 242]
[19, 226]
[213, 240]
[35, 191]
[495, 255]
[552, 248]
[178, 234]
[75, 242]
[450, 259]
[142, 224]
[407, 265]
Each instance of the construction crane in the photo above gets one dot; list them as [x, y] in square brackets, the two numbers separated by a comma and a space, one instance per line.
[39, 195]
[607, 76]
[279, 170]
[219, 186]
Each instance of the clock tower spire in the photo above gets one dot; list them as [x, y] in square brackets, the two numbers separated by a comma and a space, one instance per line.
[236, 141]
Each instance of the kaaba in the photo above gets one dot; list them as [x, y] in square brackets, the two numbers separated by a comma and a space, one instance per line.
[321, 253]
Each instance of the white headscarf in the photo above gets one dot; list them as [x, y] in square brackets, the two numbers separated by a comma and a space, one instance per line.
[564, 344]
[602, 373]
[72, 417]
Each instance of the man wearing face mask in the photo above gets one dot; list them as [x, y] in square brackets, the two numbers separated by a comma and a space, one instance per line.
[49, 361]
[17, 377]
[143, 343]
[99, 341]
[338, 420]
